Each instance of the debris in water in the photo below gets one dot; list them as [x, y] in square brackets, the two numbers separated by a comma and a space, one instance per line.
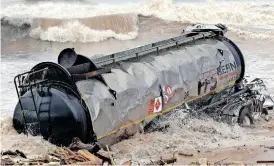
[16, 153]
[111, 157]
[60, 156]
[77, 144]
[185, 154]
[163, 161]
[260, 161]
[129, 162]
[92, 158]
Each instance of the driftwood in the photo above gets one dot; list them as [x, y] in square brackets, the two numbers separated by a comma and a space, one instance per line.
[104, 157]
[111, 157]
[185, 154]
[85, 163]
[129, 162]
[270, 161]
[56, 155]
[81, 157]
[69, 151]
[163, 161]
[92, 158]
[77, 144]
[62, 155]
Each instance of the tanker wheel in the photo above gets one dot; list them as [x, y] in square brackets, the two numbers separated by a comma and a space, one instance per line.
[245, 118]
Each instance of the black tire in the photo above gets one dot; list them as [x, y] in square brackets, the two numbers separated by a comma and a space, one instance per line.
[245, 115]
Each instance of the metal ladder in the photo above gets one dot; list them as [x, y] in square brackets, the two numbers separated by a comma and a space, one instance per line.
[20, 89]
[153, 47]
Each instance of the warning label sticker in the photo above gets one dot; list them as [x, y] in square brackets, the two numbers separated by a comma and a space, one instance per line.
[168, 90]
[155, 105]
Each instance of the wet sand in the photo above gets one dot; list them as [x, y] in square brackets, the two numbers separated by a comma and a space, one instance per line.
[246, 154]
[237, 155]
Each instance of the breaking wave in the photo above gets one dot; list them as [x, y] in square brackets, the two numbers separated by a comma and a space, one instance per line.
[77, 32]
[90, 29]
[71, 16]
[121, 27]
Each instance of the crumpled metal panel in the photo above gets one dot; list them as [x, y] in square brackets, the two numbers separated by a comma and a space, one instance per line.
[182, 75]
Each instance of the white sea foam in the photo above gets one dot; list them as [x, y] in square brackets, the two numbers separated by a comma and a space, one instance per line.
[247, 33]
[74, 31]
[238, 13]
[184, 134]
[231, 13]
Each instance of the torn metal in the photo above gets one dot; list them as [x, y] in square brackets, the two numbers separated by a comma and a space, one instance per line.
[243, 103]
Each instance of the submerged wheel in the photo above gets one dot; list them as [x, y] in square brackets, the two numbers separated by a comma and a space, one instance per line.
[245, 118]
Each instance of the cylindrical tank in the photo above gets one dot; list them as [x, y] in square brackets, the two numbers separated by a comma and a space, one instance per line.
[50, 105]
[145, 87]
[155, 84]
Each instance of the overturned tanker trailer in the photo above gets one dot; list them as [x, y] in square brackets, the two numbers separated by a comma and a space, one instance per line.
[104, 98]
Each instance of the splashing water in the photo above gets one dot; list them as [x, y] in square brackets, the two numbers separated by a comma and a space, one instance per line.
[244, 13]
[31, 146]
[184, 132]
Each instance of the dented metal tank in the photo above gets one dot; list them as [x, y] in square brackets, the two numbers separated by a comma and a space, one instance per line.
[104, 98]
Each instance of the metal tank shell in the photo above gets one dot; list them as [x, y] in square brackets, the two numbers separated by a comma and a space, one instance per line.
[158, 83]
[49, 105]
[143, 83]
[61, 116]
